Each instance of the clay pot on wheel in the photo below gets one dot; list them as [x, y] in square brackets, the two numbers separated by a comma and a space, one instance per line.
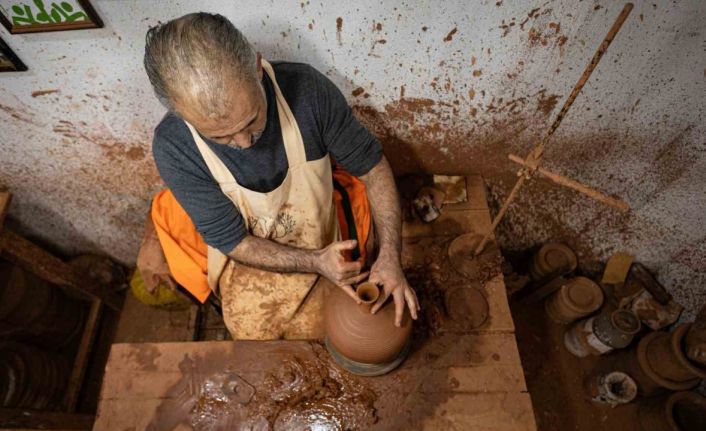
[679, 411]
[364, 343]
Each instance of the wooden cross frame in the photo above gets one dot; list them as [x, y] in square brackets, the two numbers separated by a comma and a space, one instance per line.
[530, 164]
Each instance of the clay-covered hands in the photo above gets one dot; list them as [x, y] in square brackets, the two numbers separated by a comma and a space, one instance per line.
[387, 271]
[331, 263]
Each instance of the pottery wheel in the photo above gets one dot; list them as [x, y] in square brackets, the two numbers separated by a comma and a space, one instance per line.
[474, 267]
[367, 370]
[466, 307]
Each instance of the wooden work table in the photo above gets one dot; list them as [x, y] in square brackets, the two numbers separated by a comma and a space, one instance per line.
[456, 377]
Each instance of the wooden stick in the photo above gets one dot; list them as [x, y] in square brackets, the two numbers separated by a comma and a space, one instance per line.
[619, 21]
[536, 154]
[572, 184]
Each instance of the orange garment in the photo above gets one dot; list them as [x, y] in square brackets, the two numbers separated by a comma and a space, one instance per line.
[184, 248]
[186, 251]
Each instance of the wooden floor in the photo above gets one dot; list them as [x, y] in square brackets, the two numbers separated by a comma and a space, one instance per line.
[456, 377]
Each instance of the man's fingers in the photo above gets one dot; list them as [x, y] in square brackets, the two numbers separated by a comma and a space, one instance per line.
[399, 307]
[349, 290]
[381, 300]
[351, 267]
[412, 303]
[355, 280]
[344, 245]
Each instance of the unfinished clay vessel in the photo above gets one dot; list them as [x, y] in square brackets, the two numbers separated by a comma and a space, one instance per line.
[576, 298]
[663, 353]
[364, 343]
[679, 411]
[659, 362]
[551, 260]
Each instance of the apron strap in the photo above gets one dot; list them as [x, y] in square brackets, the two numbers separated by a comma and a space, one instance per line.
[293, 141]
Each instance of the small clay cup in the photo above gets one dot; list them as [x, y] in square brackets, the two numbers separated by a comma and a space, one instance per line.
[362, 337]
[679, 411]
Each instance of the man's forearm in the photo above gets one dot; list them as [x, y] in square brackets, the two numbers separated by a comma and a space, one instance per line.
[271, 256]
[385, 206]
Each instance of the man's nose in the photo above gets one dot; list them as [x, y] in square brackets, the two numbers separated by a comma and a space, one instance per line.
[242, 140]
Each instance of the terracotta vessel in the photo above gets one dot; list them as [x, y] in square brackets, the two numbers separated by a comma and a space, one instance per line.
[577, 298]
[659, 362]
[679, 411]
[364, 343]
[664, 354]
[612, 388]
[552, 259]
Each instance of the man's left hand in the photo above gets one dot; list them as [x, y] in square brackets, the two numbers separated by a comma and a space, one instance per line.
[387, 271]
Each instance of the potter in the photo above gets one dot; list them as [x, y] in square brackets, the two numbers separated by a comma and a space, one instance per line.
[267, 167]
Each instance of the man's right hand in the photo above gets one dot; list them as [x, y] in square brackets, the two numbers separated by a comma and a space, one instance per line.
[330, 263]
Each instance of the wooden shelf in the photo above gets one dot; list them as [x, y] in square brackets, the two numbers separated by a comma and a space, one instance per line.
[32, 258]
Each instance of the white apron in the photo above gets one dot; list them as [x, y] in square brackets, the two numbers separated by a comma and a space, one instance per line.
[299, 213]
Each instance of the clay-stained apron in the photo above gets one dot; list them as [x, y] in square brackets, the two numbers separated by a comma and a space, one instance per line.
[300, 212]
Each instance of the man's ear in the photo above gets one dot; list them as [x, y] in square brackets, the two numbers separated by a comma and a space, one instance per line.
[259, 66]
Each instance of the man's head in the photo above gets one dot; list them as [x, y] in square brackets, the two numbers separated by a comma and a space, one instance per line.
[203, 68]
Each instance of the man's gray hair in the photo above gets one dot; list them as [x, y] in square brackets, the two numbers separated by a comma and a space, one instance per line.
[196, 59]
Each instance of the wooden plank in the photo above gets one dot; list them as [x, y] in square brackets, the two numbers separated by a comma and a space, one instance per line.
[82, 355]
[477, 368]
[31, 419]
[483, 412]
[36, 260]
[5, 199]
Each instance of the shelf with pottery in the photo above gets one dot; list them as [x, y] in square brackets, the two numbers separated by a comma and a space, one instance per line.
[35, 260]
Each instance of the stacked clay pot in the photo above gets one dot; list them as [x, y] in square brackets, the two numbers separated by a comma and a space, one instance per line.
[678, 411]
[358, 335]
[576, 298]
[31, 377]
[552, 259]
[659, 362]
[33, 310]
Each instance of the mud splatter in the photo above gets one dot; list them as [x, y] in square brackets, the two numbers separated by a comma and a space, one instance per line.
[339, 27]
[546, 103]
[39, 93]
[358, 91]
[450, 35]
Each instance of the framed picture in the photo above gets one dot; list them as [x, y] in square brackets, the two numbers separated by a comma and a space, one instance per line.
[9, 62]
[32, 16]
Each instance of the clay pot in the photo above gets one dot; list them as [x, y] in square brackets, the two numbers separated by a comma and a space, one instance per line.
[577, 298]
[552, 259]
[612, 388]
[664, 354]
[365, 343]
[679, 411]
[32, 309]
[31, 377]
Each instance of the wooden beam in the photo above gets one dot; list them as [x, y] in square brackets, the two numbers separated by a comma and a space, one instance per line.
[36, 260]
[575, 185]
[80, 366]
